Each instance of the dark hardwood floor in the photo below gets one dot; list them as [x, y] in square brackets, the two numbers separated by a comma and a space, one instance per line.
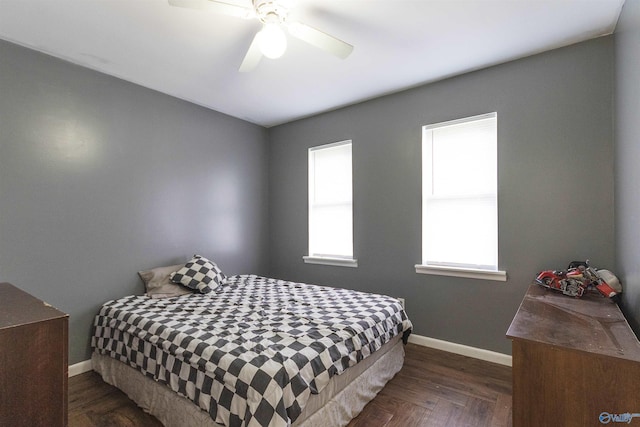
[438, 389]
[434, 389]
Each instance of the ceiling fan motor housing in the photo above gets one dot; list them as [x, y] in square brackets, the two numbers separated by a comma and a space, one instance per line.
[270, 11]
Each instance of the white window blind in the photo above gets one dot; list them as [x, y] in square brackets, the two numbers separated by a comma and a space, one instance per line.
[460, 194]
[330, 201]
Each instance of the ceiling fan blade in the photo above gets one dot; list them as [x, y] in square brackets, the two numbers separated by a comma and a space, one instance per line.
[320, 39]
[215, 6]
[253, 56]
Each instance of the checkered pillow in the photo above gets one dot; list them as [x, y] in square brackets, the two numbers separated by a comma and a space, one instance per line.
[199, 274]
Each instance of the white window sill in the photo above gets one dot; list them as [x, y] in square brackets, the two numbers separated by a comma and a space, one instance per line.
[471, 273]
[340, 262]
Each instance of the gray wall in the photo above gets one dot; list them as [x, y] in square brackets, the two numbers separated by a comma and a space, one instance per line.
[555, 166]
[100, 178]
[627, 177]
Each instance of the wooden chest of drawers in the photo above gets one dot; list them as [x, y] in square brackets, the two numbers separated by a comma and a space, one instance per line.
[576, 362]
[33, 361]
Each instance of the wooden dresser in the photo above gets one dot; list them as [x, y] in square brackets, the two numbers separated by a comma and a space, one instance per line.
[33, 361]
[576, 362]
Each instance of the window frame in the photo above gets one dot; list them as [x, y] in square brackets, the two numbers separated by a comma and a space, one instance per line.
[327, 259]
[451, 269]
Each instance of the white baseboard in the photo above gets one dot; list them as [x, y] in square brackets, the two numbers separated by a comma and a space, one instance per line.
[464, 350]
[80, 368]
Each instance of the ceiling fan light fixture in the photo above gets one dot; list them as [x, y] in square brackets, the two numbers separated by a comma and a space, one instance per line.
[272, 40]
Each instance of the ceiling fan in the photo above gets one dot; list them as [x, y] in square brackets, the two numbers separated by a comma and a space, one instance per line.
[270, 41]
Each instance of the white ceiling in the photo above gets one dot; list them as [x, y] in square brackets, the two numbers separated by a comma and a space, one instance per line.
[195, 55]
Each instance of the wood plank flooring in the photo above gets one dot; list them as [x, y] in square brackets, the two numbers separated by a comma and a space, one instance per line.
[433, 389]
[436, 389]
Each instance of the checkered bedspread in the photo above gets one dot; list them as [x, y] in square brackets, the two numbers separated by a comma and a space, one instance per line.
[251, 352]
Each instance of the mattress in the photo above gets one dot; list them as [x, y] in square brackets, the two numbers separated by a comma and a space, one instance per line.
[255, 350]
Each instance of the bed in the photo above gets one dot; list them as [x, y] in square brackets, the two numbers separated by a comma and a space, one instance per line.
[254, 351]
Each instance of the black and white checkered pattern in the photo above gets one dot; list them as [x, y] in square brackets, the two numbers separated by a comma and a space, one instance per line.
[199, 274]
[253, 351]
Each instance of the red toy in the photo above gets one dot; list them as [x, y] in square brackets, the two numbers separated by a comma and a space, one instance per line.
[578, 278]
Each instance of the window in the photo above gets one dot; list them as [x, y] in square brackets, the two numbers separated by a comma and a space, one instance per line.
[330, 205]
[460, 198]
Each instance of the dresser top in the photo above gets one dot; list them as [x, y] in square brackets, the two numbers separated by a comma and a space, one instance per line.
[18, 308]
[591, 323]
